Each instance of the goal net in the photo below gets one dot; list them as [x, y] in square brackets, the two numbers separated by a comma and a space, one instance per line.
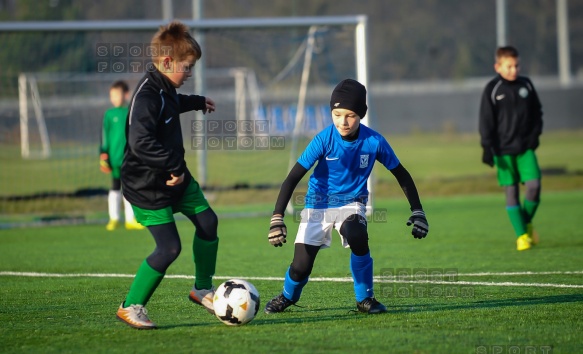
[271, 85]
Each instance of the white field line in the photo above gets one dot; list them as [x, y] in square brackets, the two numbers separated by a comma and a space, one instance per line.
[444, 274]
[316, 279]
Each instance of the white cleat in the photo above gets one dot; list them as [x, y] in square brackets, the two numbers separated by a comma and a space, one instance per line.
[135, 316]
[203, 297]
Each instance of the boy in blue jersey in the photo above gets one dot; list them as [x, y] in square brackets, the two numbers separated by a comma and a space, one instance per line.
[345, 153]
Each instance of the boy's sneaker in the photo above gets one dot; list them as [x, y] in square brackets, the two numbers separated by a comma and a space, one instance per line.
[135, 316]
[203, 297]
[134, 225]
[531, 232]
[111, 225]
[278, 304]
[523, 242]
[370, 305]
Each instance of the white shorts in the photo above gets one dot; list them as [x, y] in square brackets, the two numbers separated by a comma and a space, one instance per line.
[316, 224]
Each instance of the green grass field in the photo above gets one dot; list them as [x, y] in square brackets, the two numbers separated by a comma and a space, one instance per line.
[428, 156]
[480, 311]
[441, 165]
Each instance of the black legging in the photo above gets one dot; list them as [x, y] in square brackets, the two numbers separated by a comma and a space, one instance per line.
[115, 184]
[353, 229]
[532, 192]
[304, 257]
[168, 244]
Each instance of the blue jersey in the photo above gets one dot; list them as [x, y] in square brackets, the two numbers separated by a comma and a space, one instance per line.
[343, 168]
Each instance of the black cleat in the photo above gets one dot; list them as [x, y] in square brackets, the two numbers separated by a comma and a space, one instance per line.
[370, 305]
[278, 304]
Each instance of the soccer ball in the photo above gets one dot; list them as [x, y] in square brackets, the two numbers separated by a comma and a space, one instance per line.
[236, 302]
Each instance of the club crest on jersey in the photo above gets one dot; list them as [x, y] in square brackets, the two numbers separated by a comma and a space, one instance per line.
[523, 92]
[363, 161]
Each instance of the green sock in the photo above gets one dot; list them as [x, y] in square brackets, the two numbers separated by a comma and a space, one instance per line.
[205, 260]
[529, 210]
[145, 282]
[516, 219]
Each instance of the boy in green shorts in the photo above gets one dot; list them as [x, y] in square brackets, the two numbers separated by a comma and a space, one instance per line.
[510, 127]
[113, 142]
[155, 179]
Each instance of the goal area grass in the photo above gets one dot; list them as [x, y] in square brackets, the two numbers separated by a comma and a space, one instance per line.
[463, 289]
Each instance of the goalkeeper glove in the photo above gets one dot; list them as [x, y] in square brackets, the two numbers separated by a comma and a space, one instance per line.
[277, 231]
[419, 222]
[104, 164]
[488, 157]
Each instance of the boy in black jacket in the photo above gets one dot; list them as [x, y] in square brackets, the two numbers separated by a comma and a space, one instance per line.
[155, 179]
[510, 126]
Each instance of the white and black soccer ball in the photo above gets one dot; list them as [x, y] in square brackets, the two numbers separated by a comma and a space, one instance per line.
[236, 302]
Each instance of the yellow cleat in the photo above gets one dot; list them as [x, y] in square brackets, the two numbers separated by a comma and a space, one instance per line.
[531, 232]
[111, 225]
[523, 243]
[134, 225]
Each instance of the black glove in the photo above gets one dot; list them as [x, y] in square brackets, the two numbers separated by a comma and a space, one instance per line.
[277, 231]
[488, 157]
[420, 224]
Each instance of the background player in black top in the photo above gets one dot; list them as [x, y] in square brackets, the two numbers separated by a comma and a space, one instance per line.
[510, 126]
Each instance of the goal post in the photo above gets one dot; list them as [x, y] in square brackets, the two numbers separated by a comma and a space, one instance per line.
[279, 71]
[26, 84]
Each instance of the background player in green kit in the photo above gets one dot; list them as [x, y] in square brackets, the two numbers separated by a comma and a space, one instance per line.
[156, 180]
[113, 142]
[510, 126]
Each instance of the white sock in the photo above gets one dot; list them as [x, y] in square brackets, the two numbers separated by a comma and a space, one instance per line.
[129, 212]
[114, 201]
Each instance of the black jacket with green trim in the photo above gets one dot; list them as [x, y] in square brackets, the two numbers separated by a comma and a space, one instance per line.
[155, 147]
[510, 116]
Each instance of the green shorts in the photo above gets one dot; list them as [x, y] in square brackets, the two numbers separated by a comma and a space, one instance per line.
[192, 202]
[513, 169]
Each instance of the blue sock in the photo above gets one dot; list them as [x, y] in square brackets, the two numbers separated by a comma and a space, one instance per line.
[292, 290]
[361, 268]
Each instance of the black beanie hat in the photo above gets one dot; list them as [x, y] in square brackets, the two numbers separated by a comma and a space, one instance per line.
[349, 94]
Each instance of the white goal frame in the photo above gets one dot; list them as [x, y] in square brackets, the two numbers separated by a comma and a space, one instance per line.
[358, 21]
[27, 83]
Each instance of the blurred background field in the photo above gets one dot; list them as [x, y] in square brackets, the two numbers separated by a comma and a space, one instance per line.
[442, 165]
[425, 71]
